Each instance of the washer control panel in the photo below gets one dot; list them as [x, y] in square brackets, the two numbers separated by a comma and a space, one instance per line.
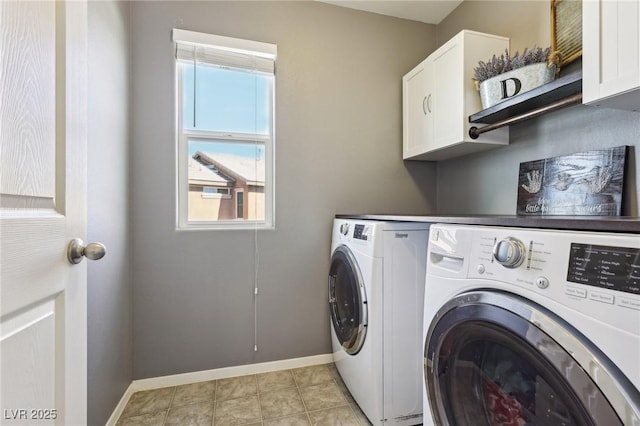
[610, 267]
[512, 252]
[596, 273]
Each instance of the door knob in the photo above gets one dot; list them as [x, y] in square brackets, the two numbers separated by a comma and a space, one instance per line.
[76, 251]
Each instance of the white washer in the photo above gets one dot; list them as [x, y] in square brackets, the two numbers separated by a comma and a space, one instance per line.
[529, 326]
[376, 288]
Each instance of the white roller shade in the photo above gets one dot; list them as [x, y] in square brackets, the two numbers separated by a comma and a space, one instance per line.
[208, 49]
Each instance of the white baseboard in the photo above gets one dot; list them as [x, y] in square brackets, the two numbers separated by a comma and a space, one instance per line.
[117, 412]
[218, 373]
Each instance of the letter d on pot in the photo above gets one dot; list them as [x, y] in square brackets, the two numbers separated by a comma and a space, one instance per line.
[517, 85]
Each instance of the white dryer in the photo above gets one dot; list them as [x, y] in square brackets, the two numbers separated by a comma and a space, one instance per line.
[376, 288]
[531, 327]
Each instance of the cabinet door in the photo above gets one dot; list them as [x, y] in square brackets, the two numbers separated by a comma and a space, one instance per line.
[416, 111]
[611, 53]
[448, 97]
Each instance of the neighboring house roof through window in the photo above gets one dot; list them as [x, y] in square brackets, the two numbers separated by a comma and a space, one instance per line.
[199, 172]
[244, 169]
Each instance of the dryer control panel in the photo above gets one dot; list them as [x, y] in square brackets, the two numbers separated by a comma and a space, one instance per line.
[361, 232]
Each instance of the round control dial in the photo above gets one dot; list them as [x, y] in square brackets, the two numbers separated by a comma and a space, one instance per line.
[509, 252]
[344, 229]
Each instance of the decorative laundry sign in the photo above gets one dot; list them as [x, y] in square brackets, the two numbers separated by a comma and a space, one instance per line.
[582, 184]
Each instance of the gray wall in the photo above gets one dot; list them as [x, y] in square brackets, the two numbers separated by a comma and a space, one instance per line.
[110, 355]
[487, 183]
[338, 150]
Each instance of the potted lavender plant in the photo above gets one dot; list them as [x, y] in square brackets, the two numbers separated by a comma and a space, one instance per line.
[505, 76]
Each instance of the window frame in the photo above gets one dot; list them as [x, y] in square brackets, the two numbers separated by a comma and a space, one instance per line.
[184, 136]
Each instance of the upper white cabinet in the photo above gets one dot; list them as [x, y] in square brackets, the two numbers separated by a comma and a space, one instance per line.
[611, 53]
[438, 96]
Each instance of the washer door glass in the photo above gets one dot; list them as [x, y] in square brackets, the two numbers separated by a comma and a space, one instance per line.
[347, 300]
[487, 365]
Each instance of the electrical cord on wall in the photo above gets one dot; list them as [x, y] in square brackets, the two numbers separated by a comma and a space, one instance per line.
[256, 267]
[256, 256]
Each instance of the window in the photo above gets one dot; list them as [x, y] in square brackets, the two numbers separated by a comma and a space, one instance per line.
[239, 204]
[225, 119]
[212, 191]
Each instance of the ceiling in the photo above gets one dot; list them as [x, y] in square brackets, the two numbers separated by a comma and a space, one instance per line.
[428, 11]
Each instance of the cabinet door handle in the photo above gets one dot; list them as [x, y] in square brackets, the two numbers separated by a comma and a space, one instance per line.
[429, 102]
[424, 108]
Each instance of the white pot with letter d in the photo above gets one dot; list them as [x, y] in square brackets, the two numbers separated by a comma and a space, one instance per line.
[501, 87]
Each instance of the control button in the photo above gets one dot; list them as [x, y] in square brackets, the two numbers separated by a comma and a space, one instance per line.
[601, 297]
[480, 269]
[578, 292]
[509, 252]
[629, 303]
[344, 229]
[542, 282]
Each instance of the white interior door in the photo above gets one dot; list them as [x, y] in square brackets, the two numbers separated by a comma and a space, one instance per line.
[42, 206]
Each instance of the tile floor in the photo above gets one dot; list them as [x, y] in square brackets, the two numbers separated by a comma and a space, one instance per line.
[312, 395]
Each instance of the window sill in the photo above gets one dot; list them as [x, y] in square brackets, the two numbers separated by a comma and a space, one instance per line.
[226, 226]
